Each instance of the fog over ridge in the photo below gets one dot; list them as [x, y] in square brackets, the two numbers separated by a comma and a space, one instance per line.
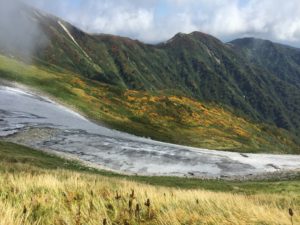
[21, 34]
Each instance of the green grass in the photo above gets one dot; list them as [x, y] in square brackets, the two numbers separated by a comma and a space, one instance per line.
[18, 156]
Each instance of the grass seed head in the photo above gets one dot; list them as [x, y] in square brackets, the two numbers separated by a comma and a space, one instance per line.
[291, 212]
[118, 196]
[132, 194]
[137, 210]
[24, 209]
[148, 203]
[130, 204]
[78, 216]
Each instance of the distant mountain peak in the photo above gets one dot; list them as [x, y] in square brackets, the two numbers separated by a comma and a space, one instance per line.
[195, 35]
[257, 42]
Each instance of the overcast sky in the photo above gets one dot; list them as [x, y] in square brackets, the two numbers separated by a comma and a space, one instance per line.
[158, 20]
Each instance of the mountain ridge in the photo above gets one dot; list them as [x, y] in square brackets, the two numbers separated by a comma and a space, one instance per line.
[195, 65]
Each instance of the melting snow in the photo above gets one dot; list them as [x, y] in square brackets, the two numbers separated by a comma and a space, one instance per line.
[73, 39]
[20, 110]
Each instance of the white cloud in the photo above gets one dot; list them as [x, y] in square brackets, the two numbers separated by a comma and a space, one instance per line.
[158, 20]
[19, 34]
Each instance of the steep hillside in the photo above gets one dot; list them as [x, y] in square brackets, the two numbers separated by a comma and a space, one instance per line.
[284, 63]
[195, 65]
[159, 115]
[281, 60]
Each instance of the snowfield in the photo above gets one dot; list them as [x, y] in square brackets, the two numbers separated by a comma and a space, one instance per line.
[29, 119]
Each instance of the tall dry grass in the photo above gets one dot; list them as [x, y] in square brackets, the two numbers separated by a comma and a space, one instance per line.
[62, 197]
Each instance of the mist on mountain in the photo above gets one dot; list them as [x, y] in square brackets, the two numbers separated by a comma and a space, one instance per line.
[20, 31]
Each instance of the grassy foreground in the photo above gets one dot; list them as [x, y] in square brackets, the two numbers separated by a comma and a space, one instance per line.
[37, 188]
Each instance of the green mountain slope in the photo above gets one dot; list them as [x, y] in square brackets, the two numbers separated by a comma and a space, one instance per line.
[281, 60]
[194, 65]
[159, 115]
[283, 64]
